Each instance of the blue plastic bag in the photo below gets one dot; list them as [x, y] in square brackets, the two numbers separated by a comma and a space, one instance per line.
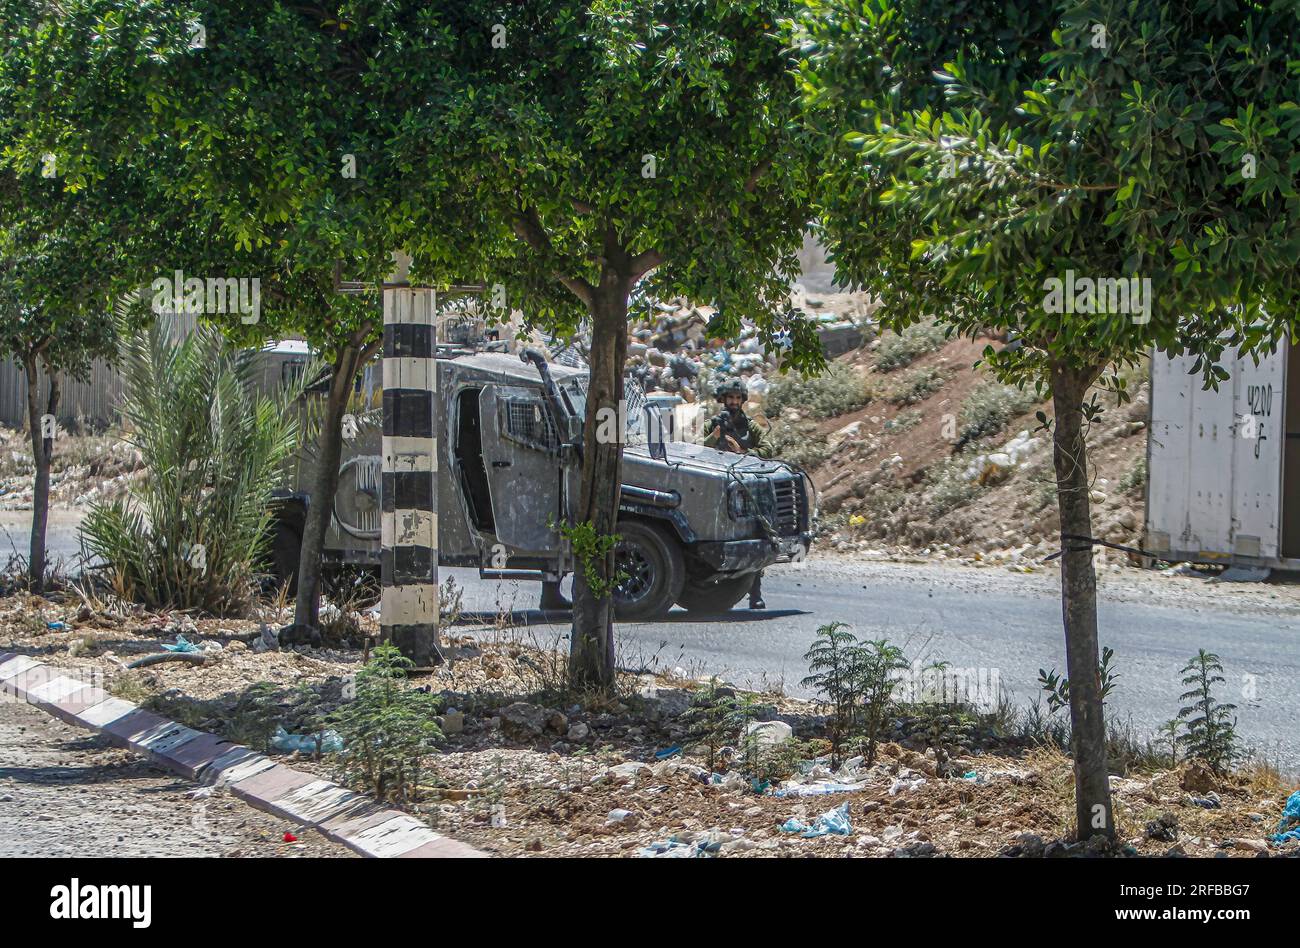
[1288, 827]
[834, 821]
[182, 645]
[286, 743]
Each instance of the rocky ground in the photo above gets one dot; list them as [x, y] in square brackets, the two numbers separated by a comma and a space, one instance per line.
[943, 460]
[84, 467]
[524, 771]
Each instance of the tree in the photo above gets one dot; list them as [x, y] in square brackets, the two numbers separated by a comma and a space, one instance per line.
[54, 315]
[565, 152]
[197, 89]
[587, 150]
[1098, 179]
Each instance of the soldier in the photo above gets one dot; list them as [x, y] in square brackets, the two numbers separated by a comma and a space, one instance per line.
[731, 430]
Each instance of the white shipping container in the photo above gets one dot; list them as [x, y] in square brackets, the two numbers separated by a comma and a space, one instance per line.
[1222, 465]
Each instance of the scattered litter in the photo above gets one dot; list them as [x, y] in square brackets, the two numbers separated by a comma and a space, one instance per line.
[666, 768]
[905, 782]
[286, 743]
[182, 645]
[57, 626]
[728, 781]
[1210, 801]
[820, 788]
[768, 733]
[617, 816]
[834, 821]
[668, 752]
[816, 779]
[689, 844]
[290, 838]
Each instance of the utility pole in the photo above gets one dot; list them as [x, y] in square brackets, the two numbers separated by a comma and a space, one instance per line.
[408, 609]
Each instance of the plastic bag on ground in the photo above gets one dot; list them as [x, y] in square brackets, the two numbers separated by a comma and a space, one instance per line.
[834, 821]
[286, 743]
[1288, 827]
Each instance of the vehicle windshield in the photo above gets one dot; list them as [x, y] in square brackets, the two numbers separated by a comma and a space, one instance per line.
[574, 395]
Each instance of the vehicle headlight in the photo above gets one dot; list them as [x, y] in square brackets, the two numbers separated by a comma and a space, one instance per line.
[738, 502]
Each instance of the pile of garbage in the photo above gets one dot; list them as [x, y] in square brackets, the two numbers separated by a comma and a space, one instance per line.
[673, 353]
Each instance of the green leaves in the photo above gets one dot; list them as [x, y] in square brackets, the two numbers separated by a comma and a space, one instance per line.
[971, 169]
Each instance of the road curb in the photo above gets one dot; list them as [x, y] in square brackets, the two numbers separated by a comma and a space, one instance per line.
[342, 815]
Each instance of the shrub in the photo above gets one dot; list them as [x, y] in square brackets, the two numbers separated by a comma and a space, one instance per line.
[904, 420]
[1135, 478]
[918, 386]
[832, 672]
[1057, 687]
[877, 662]
[191, 533]
[838, 391]
[1210, 728]
[798, 443]
[989, 408]
[717, 717]
[897, 351]
[948, 488]
[856, 679]
[387, 728]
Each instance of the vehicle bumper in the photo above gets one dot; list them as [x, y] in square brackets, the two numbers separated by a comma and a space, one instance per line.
[747, 556]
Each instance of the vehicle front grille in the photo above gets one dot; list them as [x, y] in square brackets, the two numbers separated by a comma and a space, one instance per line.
[791, 506]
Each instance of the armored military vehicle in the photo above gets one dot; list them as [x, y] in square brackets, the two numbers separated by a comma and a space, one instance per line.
[695, 524]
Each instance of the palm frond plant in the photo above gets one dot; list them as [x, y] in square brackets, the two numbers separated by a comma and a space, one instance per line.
[192, 533]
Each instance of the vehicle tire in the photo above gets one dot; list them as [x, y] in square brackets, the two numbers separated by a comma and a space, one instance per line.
[655, 571]
[285, 555]
[714, 597]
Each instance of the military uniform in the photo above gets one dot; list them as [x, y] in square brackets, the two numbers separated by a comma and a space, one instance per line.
[748, 439]
[736, 425]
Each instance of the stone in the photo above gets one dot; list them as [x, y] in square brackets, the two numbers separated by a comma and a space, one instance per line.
[522, 721]
[557, 722]
[1251, 845]
[1197, 777]
[1031, 845]
[452, 721]
[1163, 828]
[769, 733]
[577, 732]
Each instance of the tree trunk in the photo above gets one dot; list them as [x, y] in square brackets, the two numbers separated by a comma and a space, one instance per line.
[591, 646]
[1079, 605]
[329, 449]
[42, 450]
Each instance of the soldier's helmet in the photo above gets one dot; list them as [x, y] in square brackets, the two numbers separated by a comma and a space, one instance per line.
[731, 387]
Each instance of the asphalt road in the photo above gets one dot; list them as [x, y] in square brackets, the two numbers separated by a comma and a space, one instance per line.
[1001, 623]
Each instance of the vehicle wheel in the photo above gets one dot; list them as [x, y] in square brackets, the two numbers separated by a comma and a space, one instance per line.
[286, 552]
[714, 597]
[654, 570]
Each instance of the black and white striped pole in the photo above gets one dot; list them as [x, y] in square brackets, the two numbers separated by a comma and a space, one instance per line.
[408, 609]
